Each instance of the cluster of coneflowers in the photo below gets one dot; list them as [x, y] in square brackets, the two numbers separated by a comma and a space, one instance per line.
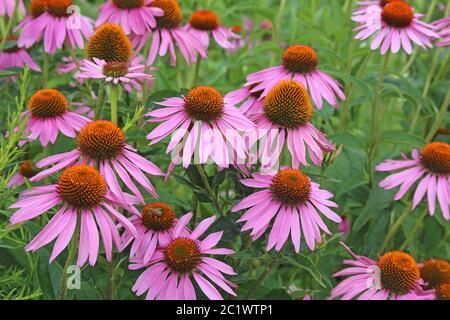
[100, 183]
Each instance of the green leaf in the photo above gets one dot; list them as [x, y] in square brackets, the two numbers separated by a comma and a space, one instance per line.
[9, 73]
[351, 184]
[194, 176]
[49, 276]
[401, 137]
[379, 199]
[376, 234]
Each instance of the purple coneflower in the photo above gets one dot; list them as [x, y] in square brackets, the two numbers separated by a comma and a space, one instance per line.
[83, 200]
[168, 34]
[202, 23]
[25, 171]
[293, 200]
[430, 166]
[299, 63]
[134, 16]
[14, 57]
[443, 29]
[397, 27]
[204, 126]
[48, 112]
[102, 143]
[155, 225]
[168, 276]
[56, 25]
[395, 276]
[286, 118]
[114, 72]
[7, 7]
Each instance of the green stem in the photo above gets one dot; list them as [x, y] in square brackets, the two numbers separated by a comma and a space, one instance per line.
[197, 70]
[99, 103]
[194, 211]
[347, 6]
[444, 68]
[2, 27]
[416, 227]
[410, 61]
[351, 51]
[210, 191]
[113, 95]
[313, 8]
[394, 228]
[440, 117]
[434, 64]
[109, 280]
[430, 11]
[272, 265]
[415, 118]
[359, 73]
[145, 87]
[70, 256]
[279, 19]
[73, 55]
[245, 245]
[9, 26]
[45, 69]
[374, 114]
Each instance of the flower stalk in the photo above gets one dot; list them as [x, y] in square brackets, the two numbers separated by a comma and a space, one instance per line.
[272, 265]
[70, 256]
[209, 189]
[113, 96]
[395, 227]
[373, 118]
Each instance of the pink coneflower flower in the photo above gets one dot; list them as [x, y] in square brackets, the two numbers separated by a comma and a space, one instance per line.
[237, 42]
[114, 72]
[169, 33]
[155, 225]
[434, 272]
[397, 27]
[395, 276]
[203, 22]
[299, 63]
[443, 29]
[36, 9]
[205, 126]
[443, 291]
[368, 12]
[109, 43]
[82, 192]
[103, 143]
[135, 65]
[432, 167]
[134, 16]
[293, 199]
[15, 57]
[169, 273]
[344, 227]
[57, 25]
[7, 7]
[251, 102]
[48, 112]
[286, 118]
[67, 65]
[110, 57]
[25, 171]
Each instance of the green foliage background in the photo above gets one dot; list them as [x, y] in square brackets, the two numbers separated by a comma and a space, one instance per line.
[324, 24]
